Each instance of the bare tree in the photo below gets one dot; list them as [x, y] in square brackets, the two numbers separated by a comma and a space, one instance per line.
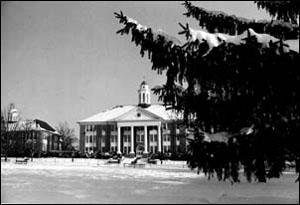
[10, 119]
[29, 142]
[67, 135]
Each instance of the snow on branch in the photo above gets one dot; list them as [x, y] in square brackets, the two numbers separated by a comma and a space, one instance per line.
[216, 39]
[160, 46]
[133, 25]
[221, 22]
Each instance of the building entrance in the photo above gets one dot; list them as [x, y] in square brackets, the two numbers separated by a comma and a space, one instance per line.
[139, 151]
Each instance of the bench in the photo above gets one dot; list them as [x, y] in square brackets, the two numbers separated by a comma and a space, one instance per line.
[22, 161]
[152, 161]
[134, 165]
[140, 165]
[114, 161]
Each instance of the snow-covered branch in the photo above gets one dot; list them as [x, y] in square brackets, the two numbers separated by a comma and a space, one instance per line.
[230, 24]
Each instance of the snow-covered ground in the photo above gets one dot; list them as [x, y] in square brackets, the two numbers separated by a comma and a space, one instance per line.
[93, 181]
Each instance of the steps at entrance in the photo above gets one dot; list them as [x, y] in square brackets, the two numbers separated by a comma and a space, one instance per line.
[127, 160]
[143, 160]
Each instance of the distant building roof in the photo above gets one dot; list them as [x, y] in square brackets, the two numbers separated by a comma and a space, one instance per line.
[36, 124]
[110, 114]
[161, 111]
[117, 111]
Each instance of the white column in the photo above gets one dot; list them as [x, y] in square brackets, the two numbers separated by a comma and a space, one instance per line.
[119, 140]
[159, 137]
[132, 143]
[146, 140]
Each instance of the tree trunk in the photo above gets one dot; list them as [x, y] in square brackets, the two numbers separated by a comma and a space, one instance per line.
[261, 170]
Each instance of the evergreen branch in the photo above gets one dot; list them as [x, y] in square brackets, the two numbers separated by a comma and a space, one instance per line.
[287, 11]
[230, 24]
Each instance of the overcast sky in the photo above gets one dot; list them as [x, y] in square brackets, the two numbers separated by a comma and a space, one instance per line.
[63, 61]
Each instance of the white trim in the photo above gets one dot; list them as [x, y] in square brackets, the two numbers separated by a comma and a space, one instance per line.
[119, 140]
[132, 140]
[145, 140]
[159, 138]
[139, 123]
[138, 109]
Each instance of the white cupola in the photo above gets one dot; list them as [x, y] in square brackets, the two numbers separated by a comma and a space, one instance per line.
[144, 94]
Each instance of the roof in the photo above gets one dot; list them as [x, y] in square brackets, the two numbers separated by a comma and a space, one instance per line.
[114, 113]
[36, 124]
[144, 83]
[44, 125]
[162, 112]
[110, 114]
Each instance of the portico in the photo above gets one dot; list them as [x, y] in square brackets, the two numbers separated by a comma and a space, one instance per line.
[139, 135]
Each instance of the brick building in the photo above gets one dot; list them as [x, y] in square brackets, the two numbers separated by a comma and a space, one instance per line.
[30, 136]
[134, 130]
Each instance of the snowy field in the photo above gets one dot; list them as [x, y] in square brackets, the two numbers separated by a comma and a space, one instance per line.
[92, 181]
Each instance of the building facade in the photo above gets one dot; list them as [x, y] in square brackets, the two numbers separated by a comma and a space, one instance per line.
[27, 137]
[134, 130]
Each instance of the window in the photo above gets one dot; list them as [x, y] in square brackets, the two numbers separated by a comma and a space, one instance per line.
[91, 139]
[128, 138]
[165, 126]
[140, 136]
[103, 142]
[166, 148]
[113, 127]
[143, 97]
[166, 138]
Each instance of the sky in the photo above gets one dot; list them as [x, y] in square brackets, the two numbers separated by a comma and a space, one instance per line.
[63, 61]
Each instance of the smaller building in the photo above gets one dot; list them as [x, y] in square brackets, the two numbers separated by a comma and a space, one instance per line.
[30, 137]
